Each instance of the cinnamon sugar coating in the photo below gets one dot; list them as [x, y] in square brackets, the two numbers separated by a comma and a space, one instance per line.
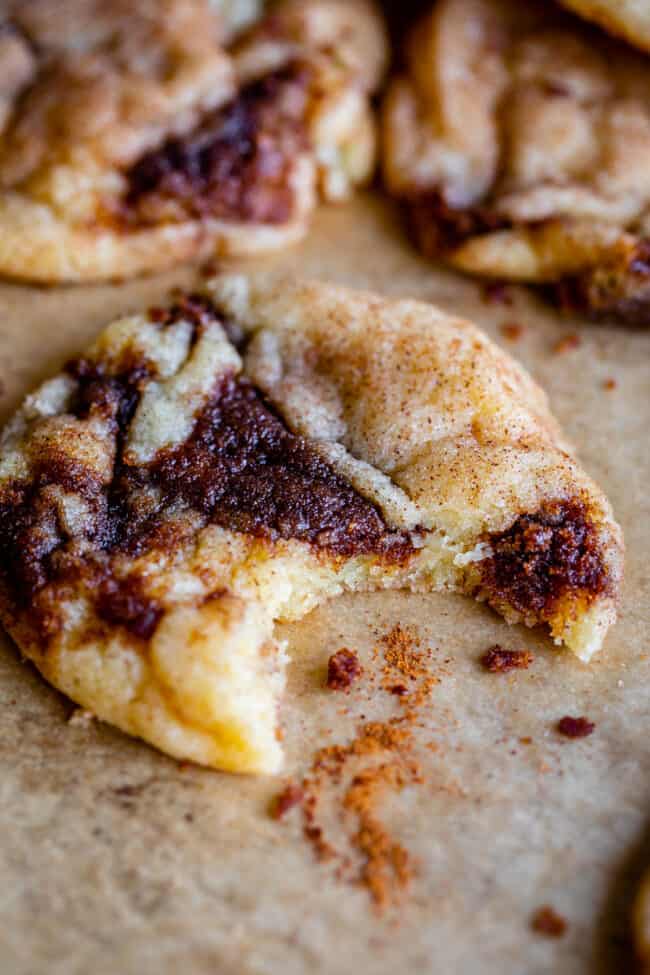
[207, 469]
[518, 139]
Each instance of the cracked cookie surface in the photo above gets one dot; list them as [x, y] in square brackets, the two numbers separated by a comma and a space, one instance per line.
[211, 467]
[518, 140]
[136, 137]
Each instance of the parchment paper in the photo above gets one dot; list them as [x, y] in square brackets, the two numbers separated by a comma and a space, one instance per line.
[184, 871]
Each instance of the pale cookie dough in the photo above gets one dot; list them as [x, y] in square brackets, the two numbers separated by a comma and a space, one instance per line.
[624, 18]
[207, 469]
[132, 137]
[518, 139]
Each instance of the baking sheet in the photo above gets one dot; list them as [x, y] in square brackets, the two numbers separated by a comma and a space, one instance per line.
[115, 859]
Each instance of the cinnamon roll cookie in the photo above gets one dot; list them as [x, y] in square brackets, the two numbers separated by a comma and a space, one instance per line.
[132, 138]
[209, 468]
[518, 139]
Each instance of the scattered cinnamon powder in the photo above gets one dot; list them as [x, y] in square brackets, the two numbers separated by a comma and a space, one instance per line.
[377, 762]
[352, 781]
[567, 343]
[575, 727]
[387, 862]
[548, 922]
[512, 331]
[404, 659]
[313, 833]
[290, 796]
[500, 661]
[343, 668]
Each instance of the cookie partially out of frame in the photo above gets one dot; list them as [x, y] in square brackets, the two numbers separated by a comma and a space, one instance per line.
[237, 15]
[132, 138]
[518, 139]
[260, 446]
[641, 922]
[623, 18]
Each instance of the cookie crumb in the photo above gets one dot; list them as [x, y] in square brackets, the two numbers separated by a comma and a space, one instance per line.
[575, 727]
[609, 384]
[548, 922]
[343, 668]
[512, 331]
[496, 293]
[500, 661]
[158, 315]
[556, 89]
[567, 343]
[81, 718]
[209, 269]
[322, 849]
[292, 795]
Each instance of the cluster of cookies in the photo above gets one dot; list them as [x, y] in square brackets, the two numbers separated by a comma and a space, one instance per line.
[212, 467]
[518, 139]
[229, 461]
[517, 136]
[135, 136]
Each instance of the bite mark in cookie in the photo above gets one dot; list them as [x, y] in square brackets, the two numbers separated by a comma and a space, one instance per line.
[257, 447]
[240, 468]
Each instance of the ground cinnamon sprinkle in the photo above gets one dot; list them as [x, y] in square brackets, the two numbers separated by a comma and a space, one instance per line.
[548, 922]
[375, 763]
[353, 780]
[387, 863]
[290, 796]
[404, 658]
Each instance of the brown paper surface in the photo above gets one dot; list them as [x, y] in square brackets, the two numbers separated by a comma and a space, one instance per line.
[183, 870]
